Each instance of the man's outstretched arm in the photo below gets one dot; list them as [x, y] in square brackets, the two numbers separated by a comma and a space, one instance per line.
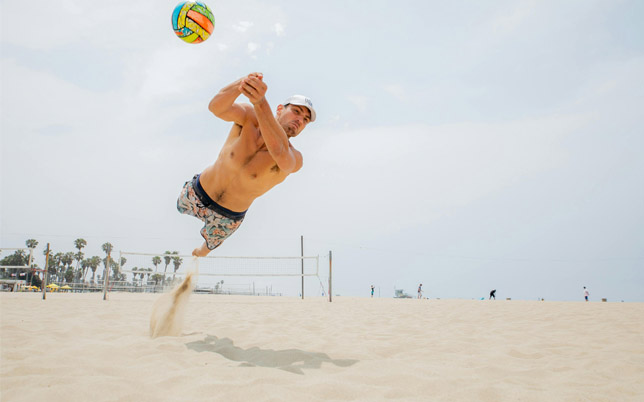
[276, 140]
[223, 104]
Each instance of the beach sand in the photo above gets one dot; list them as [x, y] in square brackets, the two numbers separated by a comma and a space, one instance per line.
[77, 347]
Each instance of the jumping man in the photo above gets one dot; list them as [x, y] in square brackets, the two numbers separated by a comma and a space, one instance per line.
[256, 156]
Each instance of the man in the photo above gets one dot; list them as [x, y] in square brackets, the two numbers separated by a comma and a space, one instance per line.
[420, 291]
[586, 293]
[492, 294]
[256, 156]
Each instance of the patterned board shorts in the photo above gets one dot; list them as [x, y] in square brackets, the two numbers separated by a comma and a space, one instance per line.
[219, 222]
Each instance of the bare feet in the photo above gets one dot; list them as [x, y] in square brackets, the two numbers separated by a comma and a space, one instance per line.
[201, 251]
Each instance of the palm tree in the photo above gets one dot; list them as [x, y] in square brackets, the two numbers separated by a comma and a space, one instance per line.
[79, 244]
[107, 247]
[85, 264]
[156, 278]
[67, 260]
[32, 243]
[54, 265]
[156, 260]
[94, 262]
[177, 263]
[134, 274]
[116, 272]
[69, 275]
[167, 258]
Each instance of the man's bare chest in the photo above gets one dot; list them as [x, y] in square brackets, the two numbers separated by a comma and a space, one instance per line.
[249, 156]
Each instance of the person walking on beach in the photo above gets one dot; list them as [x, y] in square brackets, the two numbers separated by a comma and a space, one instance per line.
[420, 291]
[256, 156]
[586, 293]
[492, 294]
[372, 289]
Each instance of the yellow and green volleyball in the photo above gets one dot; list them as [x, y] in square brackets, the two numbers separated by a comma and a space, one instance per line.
[193, 21]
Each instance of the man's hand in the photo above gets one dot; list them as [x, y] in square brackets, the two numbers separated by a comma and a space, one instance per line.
[253, 87]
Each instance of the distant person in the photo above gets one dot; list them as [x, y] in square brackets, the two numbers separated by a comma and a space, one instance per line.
[420, 291]
[372, 289]
[586, 293]
[492, 294]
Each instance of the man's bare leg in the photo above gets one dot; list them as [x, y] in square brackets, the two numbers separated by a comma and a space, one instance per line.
[201, 251]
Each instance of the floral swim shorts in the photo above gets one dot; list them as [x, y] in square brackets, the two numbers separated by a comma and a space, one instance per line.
[219, 222]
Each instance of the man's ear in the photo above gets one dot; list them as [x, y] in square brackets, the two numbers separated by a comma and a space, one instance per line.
[279, 109]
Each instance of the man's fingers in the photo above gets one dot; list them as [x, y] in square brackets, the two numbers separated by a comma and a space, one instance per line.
[250, 93]
[244, 89]
[251, 84]
[249, 88]
[254, 82]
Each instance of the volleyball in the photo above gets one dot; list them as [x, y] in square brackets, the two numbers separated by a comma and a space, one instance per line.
[193, 21]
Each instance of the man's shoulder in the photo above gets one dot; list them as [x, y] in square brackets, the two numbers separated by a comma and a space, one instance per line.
[249, 112]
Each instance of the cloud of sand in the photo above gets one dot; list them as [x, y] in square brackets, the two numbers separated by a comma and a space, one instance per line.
[169, 310]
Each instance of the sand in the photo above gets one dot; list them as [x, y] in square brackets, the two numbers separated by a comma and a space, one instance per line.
[77, 347]
[169, 310]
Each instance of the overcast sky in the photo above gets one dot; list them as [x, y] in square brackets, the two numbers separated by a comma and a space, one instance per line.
[464, 145]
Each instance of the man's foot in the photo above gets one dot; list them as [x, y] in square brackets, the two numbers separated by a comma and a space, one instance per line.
[201, 251]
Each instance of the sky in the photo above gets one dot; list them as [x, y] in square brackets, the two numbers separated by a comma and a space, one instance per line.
[464, 145]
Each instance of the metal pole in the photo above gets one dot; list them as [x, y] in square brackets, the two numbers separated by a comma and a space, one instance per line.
[106, 277]
[302, 248]
[45, 275]
[31, 259]
[330, 277]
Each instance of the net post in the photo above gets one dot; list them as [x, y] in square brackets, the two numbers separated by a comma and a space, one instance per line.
[302, 249]
[31, 268]
[330, 277]
[106, 277]
[45, 275]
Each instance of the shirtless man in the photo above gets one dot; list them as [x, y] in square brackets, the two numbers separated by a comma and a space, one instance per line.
[256, 156]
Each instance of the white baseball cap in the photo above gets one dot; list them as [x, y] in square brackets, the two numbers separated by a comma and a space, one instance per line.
[301, 100]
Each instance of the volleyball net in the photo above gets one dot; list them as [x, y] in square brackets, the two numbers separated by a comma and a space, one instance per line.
[16, 258]
[293, 275]
[15, 264]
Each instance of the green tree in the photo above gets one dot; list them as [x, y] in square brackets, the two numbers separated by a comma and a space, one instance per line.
[167, 257]
[55, 264]
[116, 273]
[85, 265]
[69, 275]
[33, 279]
[67, 260]
[156, 260]
[177, 261]
[149, 273]
[156, 278]
[107, 247]
[94, 263]
[32, 243]
[79, 244]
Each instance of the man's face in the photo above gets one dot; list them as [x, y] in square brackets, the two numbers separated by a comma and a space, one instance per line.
[293, 118]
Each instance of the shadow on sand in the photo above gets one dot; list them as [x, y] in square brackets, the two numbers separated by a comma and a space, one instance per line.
[292, 360]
